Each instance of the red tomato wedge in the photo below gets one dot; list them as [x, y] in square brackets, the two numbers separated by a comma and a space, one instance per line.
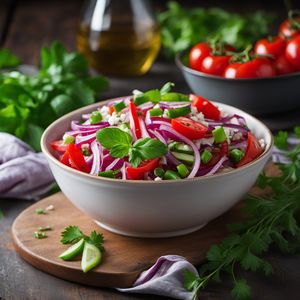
[134, 120]
[65, 159]
[203, 105]
[144, 167]
[76, 158]
[253, 150]
[189, 128]
[111, 110]
[59, 146]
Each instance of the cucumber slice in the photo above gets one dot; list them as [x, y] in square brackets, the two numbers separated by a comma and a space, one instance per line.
[187, 158]
[73, 250]
[183, 148]
[91, 257]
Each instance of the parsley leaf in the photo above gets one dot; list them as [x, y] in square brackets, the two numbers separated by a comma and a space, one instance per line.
[7, 59]
[272, 220]
[280, 140]
[71, 234]
[96, 239]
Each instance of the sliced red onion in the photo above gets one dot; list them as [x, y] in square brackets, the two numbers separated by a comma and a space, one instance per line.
[238, 144]
[76, 126]
[85, 139]
[123, 171]
[160, 119]
[144, 131]
[167, 105]
[97, 161]
[146, 106]
[161, 123]
[114, 164]
[81, 132]
[177, 136]
[217, 166]
[158, 136]
[293, 141]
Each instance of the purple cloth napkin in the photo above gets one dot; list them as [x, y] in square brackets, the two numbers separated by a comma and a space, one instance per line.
[23, 173]
[164, 278]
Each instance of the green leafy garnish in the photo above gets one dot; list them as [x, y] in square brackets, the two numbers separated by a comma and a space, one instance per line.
[199, 24]
[40, 211]
[280, 140]
[39, 235]
[156, 95]
[28, 104]
[272, 220]
[120, 145]
[71, 235]
[7, 59]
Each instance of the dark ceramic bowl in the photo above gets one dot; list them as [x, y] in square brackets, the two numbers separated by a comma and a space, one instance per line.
[257, 96]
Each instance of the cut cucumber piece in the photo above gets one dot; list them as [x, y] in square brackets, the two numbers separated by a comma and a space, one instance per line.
[73, 250]
[91, 257]
[187, 158]
[180, 147]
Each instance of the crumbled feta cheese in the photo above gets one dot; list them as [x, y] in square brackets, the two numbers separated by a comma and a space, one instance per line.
[113, 119]
[123, 117]
[49, 207]
[207, 141]
[237, 136]
[194, 110]
[157, 179]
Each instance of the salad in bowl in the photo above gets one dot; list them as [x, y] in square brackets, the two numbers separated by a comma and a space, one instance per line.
[158, 135]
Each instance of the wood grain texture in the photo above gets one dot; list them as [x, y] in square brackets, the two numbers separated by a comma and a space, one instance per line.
[124, 259]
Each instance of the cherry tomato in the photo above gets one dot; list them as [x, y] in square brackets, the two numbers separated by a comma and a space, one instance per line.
[253, 150]
[197, 54]
[76, 158]
[134, 120]
[59, 146]
[287, 30]
[144, 166]
[189, 128]
[203, 105]
[218, 153]
[231, 70]
[283, 66]
[292, 52]
[255, 68]
[274, 46]
[214, 65]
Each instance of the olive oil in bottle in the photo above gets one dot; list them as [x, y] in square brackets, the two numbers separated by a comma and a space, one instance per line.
[119, 37]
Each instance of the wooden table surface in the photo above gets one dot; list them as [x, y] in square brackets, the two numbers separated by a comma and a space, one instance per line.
[25, 26]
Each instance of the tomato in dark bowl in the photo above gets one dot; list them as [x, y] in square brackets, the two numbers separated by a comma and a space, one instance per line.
[261, 96]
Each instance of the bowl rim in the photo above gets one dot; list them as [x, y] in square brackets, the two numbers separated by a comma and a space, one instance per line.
[181, 65]
[51, 157]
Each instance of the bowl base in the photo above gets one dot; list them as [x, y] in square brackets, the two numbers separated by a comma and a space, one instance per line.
[150, 234]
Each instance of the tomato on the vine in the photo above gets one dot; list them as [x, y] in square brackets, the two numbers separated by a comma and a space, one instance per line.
[270, 46]
[215, 64]
[197, 54]
[289, 28]
[257, 67]
[283, 66]
[189, 128]
[292, 52]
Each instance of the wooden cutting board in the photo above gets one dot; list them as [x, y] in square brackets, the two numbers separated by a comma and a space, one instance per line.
[125, 257]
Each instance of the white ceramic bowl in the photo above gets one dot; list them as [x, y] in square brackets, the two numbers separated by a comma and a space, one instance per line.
[154, 209]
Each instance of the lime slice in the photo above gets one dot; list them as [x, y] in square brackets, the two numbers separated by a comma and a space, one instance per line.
[73, 250]
[91, 257]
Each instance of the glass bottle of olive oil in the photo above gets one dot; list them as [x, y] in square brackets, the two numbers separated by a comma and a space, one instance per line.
[119, 37]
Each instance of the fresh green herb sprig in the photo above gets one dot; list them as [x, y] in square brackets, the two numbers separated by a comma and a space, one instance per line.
[199, 24]
[272, 220]
[120, 145]
[40, 211]
[72, 234]
[28, 104]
